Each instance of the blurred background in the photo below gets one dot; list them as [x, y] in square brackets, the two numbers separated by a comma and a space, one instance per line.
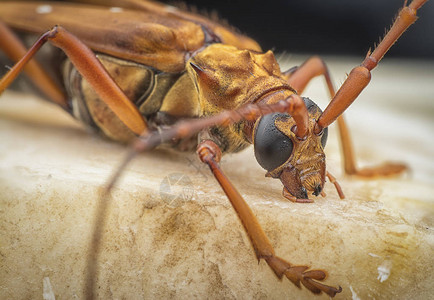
[330, 27]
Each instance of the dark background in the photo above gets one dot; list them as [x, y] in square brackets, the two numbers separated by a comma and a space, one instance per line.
[325, 26]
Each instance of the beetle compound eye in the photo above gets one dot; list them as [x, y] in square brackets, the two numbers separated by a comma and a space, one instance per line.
[324, 137]
[272, 147]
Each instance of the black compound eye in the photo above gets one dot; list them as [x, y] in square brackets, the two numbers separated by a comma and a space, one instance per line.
[324, 136]
[313, 108]
[272, 147]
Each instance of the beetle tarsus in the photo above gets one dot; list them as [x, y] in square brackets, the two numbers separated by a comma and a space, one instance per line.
[384, 170]
[301, 274]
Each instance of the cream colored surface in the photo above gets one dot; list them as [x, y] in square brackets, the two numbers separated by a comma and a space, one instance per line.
[377, 243]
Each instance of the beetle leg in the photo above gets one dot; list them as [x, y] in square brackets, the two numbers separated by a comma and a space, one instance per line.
[336, 184]
[14, 50]
[185, 129]
[209, 153]
[91, 69]
[188, 127]
[299, 79]
[350, 166]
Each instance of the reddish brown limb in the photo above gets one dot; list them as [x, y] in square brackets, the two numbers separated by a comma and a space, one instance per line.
[336, 184]
[310, 69]
[299, 113]
[360, 76]
[289, 196]
[187, 128]
[299, 79]
[208, 151]
[297, 110]
[182, 129]
[14, 50]
[350, 166]
[384, 170]
[92, 70]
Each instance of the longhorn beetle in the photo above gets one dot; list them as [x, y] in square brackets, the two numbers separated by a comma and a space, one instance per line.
[150, 74]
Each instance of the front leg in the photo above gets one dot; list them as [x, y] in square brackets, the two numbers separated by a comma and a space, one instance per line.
[209, 153]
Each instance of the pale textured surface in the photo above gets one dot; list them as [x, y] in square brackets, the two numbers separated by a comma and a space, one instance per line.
[377, 243]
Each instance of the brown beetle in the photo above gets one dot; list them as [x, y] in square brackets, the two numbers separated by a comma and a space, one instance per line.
[175, 65]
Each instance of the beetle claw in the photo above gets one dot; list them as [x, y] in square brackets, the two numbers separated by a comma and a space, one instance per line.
[301, 275]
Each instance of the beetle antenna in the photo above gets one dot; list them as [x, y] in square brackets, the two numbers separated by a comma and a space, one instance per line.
[360, 76]
[293, 105]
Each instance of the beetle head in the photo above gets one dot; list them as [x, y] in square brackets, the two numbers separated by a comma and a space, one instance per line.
[298, 163]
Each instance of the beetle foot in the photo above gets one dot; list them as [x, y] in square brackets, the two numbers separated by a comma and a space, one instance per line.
[301, 274]
[384, 170]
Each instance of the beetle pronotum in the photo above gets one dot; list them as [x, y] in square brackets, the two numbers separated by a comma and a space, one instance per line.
[214, 72]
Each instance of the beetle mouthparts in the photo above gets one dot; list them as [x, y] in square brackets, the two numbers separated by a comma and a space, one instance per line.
[317, 190]
[304, 192]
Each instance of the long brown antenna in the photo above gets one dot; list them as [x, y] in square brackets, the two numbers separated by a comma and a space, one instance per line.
[360, 76]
